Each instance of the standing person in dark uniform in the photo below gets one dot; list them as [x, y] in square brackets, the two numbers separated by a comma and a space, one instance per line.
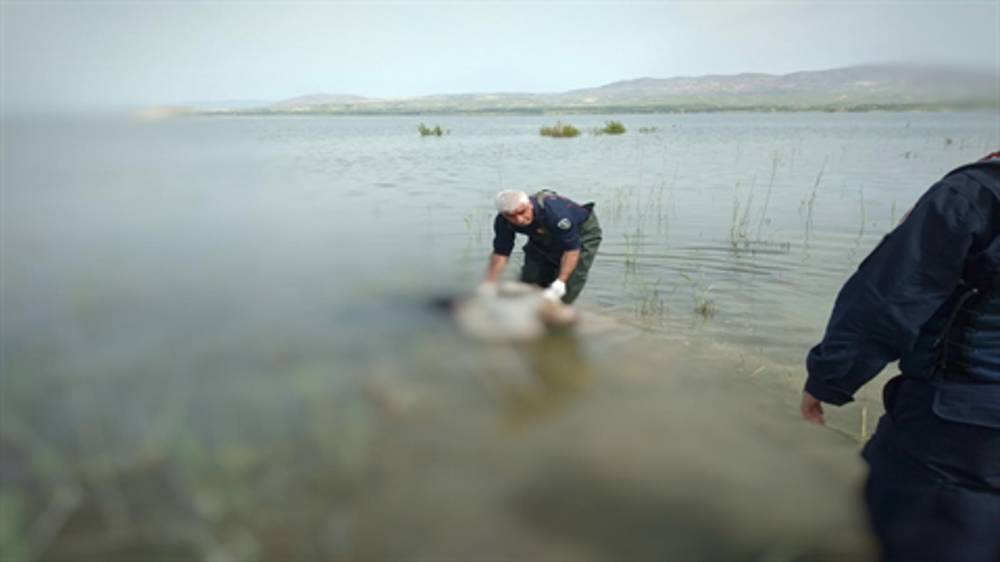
[562, 240]
[928, 295]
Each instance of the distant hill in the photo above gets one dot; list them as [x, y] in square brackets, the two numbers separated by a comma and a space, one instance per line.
[314, 100]
[856, 88]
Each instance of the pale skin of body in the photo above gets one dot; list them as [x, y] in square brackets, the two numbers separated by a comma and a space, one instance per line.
[523, 215]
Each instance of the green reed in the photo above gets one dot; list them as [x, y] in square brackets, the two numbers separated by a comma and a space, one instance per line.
[610, 128]
[701, 293]
[560, 130]
[426, 131]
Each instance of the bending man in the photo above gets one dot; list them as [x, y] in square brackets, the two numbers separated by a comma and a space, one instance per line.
[562, 240]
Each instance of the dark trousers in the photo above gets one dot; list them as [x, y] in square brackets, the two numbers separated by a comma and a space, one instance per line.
[933, 492]
[541, 265]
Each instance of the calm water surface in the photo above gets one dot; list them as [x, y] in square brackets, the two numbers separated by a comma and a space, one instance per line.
[217, 341]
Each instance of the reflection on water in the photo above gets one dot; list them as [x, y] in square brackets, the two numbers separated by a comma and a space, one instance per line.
[649, 458]
[555, 370]
[216, 344]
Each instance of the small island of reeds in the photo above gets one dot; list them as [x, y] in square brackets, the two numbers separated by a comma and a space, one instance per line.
[426, 131]
[610, 128]
[560, 130]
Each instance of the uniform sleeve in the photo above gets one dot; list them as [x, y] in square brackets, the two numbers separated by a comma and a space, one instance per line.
[503, 236]
[564, 229]
[896, 289]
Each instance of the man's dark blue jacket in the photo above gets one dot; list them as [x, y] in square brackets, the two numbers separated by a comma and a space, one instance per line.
[556, 227]
[950, 239]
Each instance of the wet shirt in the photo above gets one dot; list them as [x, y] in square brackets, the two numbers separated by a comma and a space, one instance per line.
[949, 235]
[556, 226]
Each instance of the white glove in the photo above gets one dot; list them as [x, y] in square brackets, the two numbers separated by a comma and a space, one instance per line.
[555, 291]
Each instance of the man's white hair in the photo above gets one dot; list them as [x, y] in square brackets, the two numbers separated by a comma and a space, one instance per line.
[509, 201]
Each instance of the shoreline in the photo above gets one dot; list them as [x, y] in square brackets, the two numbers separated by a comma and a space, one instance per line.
[602, 110]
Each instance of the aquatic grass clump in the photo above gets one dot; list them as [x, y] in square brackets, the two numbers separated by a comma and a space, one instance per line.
[425, 131]
[560, 130]
[704, 305]
[701, 293]
[612, 128]
[647, 129]
[609, 128]
[651, 308]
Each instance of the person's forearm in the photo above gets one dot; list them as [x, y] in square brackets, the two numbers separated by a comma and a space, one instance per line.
[497, 263]
[568, 263]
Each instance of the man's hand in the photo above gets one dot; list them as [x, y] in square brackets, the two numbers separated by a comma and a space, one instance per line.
[555, 291]
[812, 409]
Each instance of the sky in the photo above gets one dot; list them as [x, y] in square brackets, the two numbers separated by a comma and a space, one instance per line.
[104, 54]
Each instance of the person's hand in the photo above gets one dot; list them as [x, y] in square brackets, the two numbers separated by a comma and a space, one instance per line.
[487, 289]
[555, 291]
[812, 409]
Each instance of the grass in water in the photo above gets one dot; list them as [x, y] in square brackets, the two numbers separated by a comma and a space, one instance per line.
[811, 202]
[651, 308]
[610, 128]
[560, 130]
[739, 227]
[704, 304]
[632, 244]
[767, 198]
[426, 131]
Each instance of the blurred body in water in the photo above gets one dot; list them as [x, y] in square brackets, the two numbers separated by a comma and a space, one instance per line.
[929, 295]
[562, 241]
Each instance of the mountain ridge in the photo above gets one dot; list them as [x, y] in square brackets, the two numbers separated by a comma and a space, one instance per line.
[853, 88]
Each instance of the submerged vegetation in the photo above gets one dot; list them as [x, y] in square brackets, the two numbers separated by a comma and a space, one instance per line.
[647, 129]
[425, 131]
[560, 129]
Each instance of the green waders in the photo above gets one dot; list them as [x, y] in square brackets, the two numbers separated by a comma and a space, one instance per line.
[541, 258]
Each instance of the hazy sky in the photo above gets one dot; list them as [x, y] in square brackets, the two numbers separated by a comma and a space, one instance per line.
[114, 53]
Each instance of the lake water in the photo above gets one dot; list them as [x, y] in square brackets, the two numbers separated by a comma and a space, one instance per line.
[218, 340]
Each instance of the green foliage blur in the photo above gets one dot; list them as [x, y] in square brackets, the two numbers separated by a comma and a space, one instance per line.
[560, 130]
[425, 131]
[611, 128]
